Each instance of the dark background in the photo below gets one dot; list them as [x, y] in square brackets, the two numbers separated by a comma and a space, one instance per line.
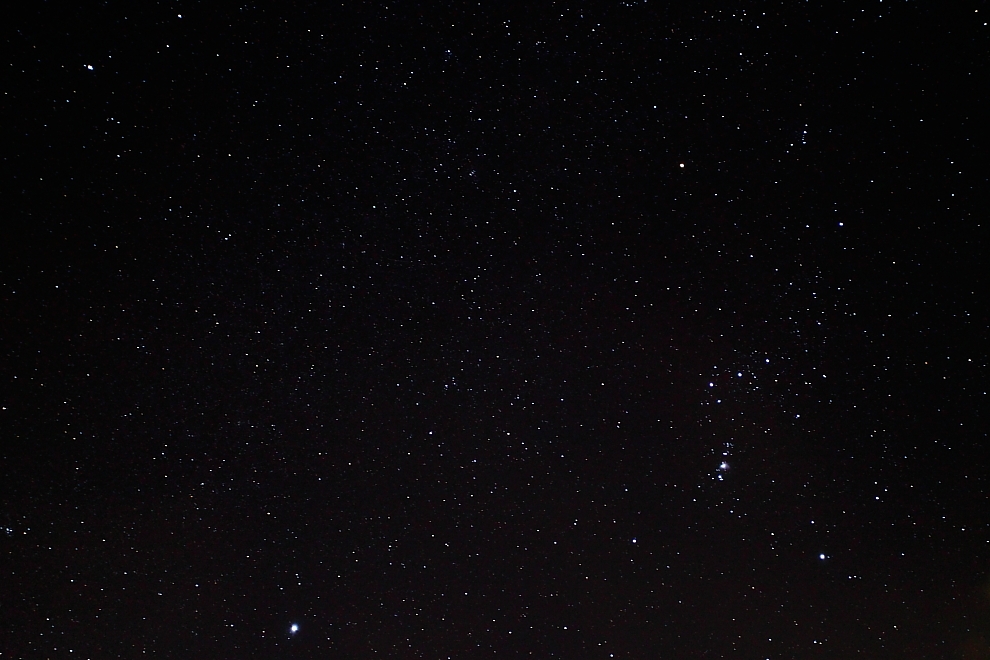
[464, 330]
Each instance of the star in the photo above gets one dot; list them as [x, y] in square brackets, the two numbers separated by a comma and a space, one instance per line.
[294, 628]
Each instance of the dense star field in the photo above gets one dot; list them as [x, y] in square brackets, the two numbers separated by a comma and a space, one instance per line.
[476, 330]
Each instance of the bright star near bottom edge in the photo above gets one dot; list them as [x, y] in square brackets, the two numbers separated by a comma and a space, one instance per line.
[294, 628]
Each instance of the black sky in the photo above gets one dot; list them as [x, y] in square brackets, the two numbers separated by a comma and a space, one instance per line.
[477, 330]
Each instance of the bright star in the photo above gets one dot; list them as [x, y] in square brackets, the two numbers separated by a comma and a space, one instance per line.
[294, 628]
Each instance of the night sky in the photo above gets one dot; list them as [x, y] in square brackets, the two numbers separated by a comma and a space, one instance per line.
[470, 330]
